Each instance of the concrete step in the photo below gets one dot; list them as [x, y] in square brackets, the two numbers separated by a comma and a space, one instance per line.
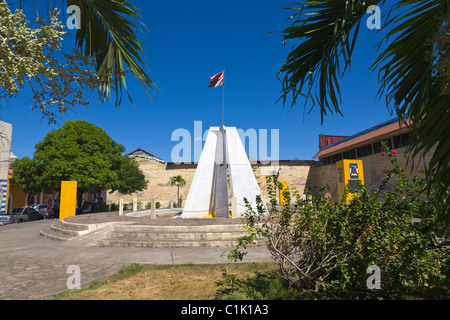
[180, 228]
[52, 234]
[181, 236]
[65, 231]
[174, 236]
[68, 229]
[165, 244]
[119, 234]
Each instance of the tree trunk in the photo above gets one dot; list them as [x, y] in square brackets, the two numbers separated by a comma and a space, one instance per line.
[178, 196]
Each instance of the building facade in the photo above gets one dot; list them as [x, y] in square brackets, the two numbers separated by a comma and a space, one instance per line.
[298, 174]
[367, 147]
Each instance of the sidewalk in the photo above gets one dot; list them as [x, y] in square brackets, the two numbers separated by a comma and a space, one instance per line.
[33, 267]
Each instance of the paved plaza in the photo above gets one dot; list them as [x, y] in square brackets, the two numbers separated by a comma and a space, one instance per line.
[34, 267]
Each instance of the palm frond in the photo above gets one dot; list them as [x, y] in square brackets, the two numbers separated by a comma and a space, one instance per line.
[412, 84]
[107, 32]
[413, 70]
[326, 33]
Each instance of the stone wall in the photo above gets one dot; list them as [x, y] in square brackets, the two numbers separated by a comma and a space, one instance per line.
[373, 166]
[158, 175]
[297, 173]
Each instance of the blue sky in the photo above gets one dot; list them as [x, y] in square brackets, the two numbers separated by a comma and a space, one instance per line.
[188, 42]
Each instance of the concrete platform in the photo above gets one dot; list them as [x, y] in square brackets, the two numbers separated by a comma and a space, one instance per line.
[33, 266]
[111, 229]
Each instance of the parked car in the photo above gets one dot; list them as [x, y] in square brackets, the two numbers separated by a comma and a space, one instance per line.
[5, 219]
[29, 214]
[16, 215]
[41, 208]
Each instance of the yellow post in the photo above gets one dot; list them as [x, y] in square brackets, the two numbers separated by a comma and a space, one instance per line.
[282, 198]
[349, 171]
[68, 199]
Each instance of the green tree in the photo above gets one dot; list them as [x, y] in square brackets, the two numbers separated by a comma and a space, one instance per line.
[131, 177]
[413, 69]
[27, 175]
[82, 152]
[107, 49]
[179, 182]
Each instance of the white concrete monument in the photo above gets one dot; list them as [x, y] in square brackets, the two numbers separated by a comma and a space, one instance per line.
[208, 195]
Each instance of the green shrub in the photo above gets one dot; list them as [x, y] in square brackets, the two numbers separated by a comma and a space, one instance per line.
[114, 206]
[149, 205]
[324, 248]
[128, 206]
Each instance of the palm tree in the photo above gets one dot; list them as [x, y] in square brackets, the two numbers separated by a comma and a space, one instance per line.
[107, 32]
[179, 182]
[413, 68]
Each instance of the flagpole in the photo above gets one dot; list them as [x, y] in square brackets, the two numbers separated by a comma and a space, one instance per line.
[223, 99]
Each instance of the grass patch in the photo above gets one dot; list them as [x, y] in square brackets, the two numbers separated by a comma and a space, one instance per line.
[255, 281]
[181, 282]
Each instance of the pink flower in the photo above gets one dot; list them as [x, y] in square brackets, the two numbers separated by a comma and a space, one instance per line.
[383, 154]
[394, 152]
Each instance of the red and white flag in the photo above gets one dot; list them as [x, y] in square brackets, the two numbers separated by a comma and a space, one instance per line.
[217, 80]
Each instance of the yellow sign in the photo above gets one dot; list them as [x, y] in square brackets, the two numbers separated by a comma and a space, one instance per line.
[284, 188]
[68, 199]
[349, 171]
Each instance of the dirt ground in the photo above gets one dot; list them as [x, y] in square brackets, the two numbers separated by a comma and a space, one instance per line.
[166, 283]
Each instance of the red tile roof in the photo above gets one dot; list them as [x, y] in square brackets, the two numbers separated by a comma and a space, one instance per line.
[377, 131]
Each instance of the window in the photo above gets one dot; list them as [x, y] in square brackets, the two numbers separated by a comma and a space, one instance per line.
[364, 151]
[377, 147]
[405, 139]
[401, 140]
[397, 141]
[336, 158]
[325, 161]
[350, 154]
[388, 141]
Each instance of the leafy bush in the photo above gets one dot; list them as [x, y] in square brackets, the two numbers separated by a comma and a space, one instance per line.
[324, 248]
[114, 206]
[149, 205]
[128, 206]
